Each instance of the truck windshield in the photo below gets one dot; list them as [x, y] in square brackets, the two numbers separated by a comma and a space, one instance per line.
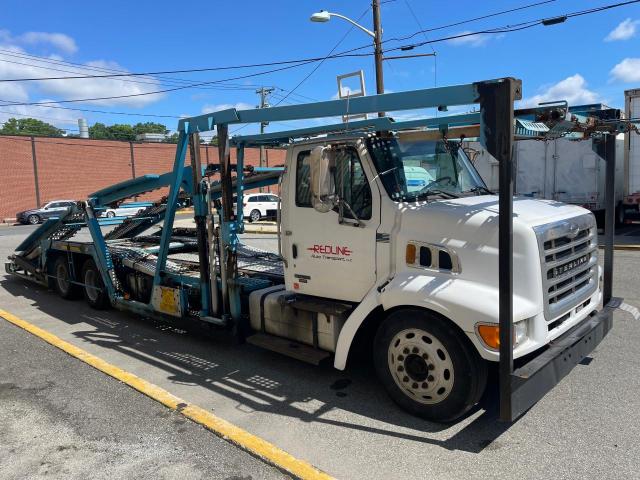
[414, 169]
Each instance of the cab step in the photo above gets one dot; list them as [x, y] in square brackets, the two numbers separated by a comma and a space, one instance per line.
[290, 348]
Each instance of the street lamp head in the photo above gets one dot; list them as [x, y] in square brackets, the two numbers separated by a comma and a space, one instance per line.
[321, 16]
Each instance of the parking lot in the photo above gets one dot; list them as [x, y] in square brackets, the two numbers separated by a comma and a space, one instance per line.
[338, 421]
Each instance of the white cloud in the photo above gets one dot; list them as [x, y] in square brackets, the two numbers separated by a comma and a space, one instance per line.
[16, 67]
[472, 40]
[624, 31]
[104, 87]
[57, 117]
[209, 108]
[628, 70]
[58, 40]
[573, 89]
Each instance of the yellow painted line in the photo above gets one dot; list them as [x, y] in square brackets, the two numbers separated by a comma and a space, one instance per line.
[236, 435]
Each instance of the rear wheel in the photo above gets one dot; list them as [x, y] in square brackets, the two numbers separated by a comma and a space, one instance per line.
[33, 219]
[62, 279]
[255, 215]
[427, 367]
[95, 292]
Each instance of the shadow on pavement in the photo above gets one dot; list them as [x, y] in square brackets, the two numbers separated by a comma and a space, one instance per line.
[262, 381]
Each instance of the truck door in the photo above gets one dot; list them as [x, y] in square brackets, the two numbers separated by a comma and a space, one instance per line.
[327, 258]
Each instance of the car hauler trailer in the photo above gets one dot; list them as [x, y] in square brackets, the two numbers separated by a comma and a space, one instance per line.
[429, 269]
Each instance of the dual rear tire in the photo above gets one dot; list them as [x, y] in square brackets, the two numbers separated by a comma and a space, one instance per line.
[427, 366]
[92, 285]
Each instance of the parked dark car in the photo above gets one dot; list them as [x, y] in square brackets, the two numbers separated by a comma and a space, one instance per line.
[50, 209]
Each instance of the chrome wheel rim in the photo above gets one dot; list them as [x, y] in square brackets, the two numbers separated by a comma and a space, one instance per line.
[91, 288]
[33, 219]
[421, 366]
[255, 216]
[62, 277]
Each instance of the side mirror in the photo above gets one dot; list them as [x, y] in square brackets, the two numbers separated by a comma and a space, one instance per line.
[323, 187]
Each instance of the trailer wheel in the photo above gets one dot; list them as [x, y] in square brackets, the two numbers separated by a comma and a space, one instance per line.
[61, 282]
[94, 291]
[427, 367]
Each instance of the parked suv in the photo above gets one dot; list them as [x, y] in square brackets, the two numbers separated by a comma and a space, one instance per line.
[257, 206]
[50, 209]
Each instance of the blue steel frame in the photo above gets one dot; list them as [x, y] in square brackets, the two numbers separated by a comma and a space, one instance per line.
[426, 98]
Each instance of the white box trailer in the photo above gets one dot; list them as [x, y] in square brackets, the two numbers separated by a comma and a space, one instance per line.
[562, 169]
[632, 150]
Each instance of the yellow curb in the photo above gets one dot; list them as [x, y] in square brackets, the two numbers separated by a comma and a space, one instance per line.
[236, 435]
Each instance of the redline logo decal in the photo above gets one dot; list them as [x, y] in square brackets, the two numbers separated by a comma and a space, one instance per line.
[340, 253]
[331, 250]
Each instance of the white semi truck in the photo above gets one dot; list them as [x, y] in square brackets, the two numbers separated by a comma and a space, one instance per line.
[361, 248]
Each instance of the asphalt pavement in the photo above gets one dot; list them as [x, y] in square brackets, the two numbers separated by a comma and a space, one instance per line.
[60, 418]
[343, 422]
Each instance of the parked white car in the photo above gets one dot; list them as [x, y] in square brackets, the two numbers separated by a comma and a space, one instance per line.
[125, 209]
[258, 206]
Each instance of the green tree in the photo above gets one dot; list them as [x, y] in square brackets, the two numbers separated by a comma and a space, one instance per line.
[173, 138]
[122, 131]
[150, 127]
[30, 126]
[100, 131]
[214, 141]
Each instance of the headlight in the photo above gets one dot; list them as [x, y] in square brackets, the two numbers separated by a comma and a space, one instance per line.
[489, 334]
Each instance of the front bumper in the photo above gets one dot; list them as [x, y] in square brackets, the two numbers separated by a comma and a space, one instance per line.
[530, 382]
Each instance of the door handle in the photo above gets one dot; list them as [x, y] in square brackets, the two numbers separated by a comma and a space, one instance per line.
[294, 251]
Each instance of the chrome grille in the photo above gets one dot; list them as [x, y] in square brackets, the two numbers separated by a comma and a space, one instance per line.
[569, 260]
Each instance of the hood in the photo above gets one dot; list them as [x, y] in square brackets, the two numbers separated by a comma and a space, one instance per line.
[527, 211]
[469, 227]
[27, 212]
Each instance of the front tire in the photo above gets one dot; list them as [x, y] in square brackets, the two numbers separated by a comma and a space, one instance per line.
[110, 214]
[95, 292]
[254, 216]
[427, 367]
[33, 219]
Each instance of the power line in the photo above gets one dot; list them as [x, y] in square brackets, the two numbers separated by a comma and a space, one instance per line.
[316, 67]
[505, 29]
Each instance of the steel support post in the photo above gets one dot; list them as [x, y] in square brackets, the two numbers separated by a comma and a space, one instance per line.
[496, 102]
[609, 215]
[226, 199]
[172, 205]
[200, 215]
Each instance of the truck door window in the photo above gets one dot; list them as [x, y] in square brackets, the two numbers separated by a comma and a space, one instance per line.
[352, 184]
[303, 180]
[350, 180]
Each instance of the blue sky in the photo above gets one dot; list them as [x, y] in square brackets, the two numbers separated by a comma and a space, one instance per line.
[593, 58]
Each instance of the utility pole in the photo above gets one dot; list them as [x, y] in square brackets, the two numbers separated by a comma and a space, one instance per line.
[264, 93]
[377, 45]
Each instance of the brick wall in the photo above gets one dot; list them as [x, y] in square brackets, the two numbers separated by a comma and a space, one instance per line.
[73, 168]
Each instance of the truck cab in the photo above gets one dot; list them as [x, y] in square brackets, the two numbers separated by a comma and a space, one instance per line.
[423, 261]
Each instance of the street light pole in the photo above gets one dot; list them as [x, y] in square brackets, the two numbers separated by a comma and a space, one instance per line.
[324, 16]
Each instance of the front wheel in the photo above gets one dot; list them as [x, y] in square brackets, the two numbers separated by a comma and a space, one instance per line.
[427, 367]
[255, 215]
[95, 292]
[111, 214]
[33, 219]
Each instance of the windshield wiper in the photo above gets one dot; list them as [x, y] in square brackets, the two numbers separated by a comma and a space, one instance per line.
[479, 189]
[434, 191]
